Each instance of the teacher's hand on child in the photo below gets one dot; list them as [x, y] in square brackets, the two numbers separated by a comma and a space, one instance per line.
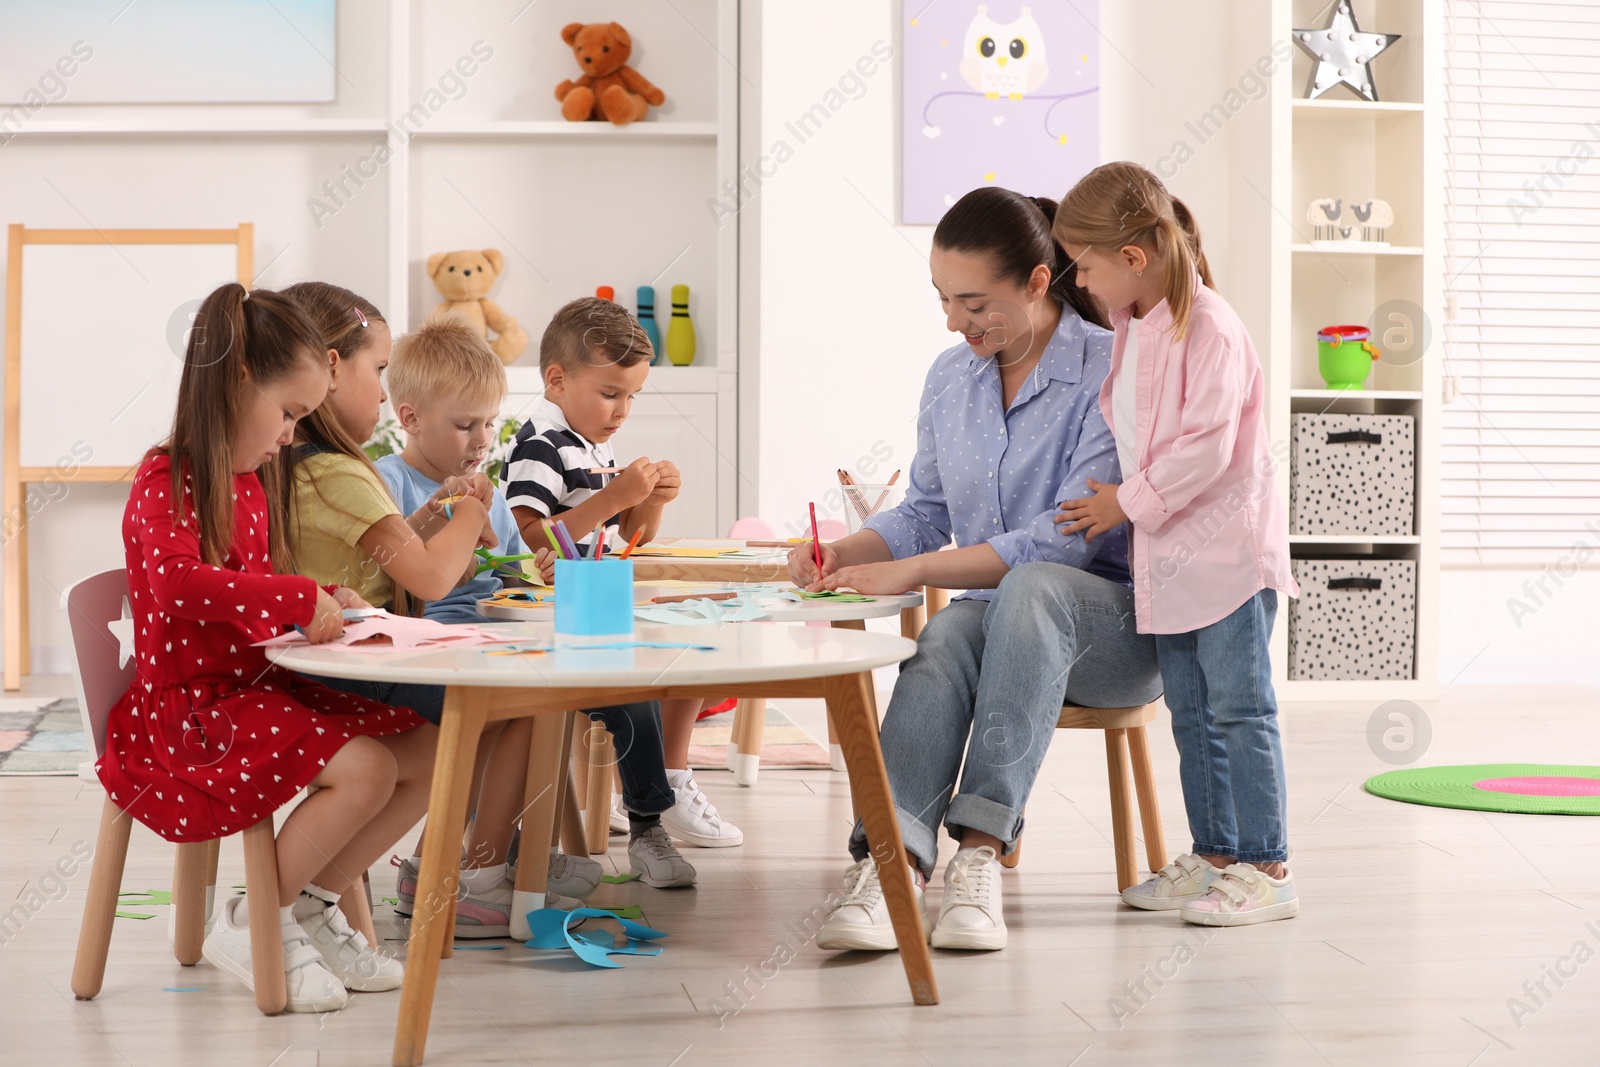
[803, 566]
[328, 621]
[881, 579]
[1092, 515]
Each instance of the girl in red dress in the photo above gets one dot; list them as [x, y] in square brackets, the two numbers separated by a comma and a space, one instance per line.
[211, 738]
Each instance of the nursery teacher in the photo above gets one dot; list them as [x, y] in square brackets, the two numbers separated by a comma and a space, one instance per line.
[1010, 426]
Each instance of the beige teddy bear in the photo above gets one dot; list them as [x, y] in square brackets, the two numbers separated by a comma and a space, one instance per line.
[464, 279]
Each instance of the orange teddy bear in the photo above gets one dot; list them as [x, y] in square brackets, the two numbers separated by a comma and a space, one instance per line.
[609, 88]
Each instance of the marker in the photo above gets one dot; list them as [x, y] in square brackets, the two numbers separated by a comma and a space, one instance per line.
[816, 542]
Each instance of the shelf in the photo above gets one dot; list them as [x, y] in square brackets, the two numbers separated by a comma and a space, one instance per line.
[582, 131]
[188, 127]
[1335, 109]
[1359, 250]
[1409, 395]
[1353, 539]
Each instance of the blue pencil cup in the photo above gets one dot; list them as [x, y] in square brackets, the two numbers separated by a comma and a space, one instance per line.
[594, 599]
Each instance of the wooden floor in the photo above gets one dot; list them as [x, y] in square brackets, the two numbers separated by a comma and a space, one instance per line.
[1421, 932]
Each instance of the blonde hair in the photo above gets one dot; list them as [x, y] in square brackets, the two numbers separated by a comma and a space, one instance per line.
[444, 357]
[1121, 204]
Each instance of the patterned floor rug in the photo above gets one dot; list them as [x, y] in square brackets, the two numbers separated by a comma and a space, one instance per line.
[45, 739]
[783, 744]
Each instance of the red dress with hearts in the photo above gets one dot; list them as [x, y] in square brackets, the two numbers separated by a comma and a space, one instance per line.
[212, 738]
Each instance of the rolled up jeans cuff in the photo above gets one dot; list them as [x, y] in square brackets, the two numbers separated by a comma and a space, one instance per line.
[921, 841]
[985, 816]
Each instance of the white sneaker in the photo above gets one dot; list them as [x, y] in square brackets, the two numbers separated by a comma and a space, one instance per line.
[1244, 896]
[311, 986]
[619, 817]
[573, 876]
[970, 916]
[362, 968]
[861, 919]
[1184, 879]
[654, 858]
[694, 819]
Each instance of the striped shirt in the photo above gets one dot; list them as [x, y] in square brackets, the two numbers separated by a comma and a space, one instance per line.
[549, 468]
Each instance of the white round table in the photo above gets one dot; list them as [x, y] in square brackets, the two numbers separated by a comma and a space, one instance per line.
[744, 661]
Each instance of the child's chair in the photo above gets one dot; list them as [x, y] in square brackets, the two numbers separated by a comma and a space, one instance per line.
[1127, 764]
[103, 674]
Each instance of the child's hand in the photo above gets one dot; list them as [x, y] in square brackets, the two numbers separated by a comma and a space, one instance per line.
[636, 482]
[478, 485]
[545, 560]
[668, 482]
[1096, 514]
[349, 598]
[803, 566]
[328, 622]
[882, 579]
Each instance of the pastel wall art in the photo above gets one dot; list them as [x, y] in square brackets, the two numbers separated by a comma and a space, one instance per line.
[996, 94]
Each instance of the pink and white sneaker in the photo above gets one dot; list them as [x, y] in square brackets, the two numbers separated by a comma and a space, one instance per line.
[1243, 896]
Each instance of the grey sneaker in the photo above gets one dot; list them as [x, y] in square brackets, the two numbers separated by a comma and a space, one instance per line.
[654, 858]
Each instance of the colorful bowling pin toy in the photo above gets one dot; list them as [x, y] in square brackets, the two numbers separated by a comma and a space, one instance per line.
[605, 292]
[680, 329]
[647, 319]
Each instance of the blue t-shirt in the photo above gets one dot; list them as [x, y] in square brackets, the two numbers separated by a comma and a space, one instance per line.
[412, 489]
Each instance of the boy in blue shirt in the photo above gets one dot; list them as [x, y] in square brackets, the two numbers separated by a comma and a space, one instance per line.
[446, 386]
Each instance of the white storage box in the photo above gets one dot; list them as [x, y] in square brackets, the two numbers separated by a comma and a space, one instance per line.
[1355, 618]
[1352, 474]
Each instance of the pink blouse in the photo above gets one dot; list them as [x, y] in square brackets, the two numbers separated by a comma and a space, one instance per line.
[1208, 529]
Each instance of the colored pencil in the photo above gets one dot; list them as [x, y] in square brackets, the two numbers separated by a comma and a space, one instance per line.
[567, 543]
[632, 543]
[853, 494]
[599, 540]
[555, 542]
[885, 494]
[606, 470]
[816, 542]
[691, 596]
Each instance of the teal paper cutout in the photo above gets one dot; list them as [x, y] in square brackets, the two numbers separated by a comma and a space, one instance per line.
[552, 929]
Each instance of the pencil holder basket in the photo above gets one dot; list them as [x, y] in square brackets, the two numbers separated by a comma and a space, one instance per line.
[861, 502]
[594, 599]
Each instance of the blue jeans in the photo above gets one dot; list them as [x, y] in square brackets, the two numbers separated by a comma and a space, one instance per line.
[635, 732]
[1225, 721]
[985, 688]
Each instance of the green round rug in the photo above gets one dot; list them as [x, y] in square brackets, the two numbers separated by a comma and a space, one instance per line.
[1523, 788]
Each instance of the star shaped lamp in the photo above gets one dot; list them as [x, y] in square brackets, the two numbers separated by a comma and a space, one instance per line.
[1343, 54]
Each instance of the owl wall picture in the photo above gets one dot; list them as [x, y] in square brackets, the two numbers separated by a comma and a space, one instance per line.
[1004, 58]
[997, 93]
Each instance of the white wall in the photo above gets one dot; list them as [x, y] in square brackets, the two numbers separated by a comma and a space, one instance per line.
[849, 320]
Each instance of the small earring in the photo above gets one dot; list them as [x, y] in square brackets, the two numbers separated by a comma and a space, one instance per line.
[1138, 274]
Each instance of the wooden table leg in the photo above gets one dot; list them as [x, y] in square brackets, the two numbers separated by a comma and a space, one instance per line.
[601, 754]
[744, 750]
[835, 750]
[851, 709]
[912, 620]
[542, 797]
[460, 728]
[934, 600]
[573, 842]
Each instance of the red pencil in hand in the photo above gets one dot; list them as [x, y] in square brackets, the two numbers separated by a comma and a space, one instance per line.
[816, 542]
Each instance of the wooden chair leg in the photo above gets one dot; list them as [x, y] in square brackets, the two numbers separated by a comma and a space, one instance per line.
[261, 896]
[597, 803]
[1122, 838]
[188, 901]
[213, 854]
[744, 757]
[542, 797]
[1144, 782]
[357, 907]
[100, 906]
[1016, 852]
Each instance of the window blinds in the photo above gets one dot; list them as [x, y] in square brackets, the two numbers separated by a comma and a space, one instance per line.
[1521, 443]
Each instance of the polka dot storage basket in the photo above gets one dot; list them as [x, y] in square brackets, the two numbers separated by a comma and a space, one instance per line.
[1352, 474]
[1355, 618]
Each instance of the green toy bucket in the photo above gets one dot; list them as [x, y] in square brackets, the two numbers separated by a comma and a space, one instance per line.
[1345, 355]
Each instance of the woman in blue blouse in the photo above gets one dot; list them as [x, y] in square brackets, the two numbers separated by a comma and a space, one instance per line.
[1009, 427]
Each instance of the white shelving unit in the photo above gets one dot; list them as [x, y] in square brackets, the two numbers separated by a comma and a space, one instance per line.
[1340, 146]
[573, 206]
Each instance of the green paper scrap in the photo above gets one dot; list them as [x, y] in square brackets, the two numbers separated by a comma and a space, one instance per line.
[150, 897]
[618, 879]
[391, 900]
[631, 911]
[834, 594]
[135, 915]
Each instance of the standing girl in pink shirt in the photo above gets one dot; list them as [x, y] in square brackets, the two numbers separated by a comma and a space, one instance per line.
[1209, 551]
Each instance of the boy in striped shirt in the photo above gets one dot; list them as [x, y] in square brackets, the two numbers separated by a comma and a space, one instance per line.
[594, 358]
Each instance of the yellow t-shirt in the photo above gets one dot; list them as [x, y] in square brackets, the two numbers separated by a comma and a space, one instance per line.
[336, 501]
